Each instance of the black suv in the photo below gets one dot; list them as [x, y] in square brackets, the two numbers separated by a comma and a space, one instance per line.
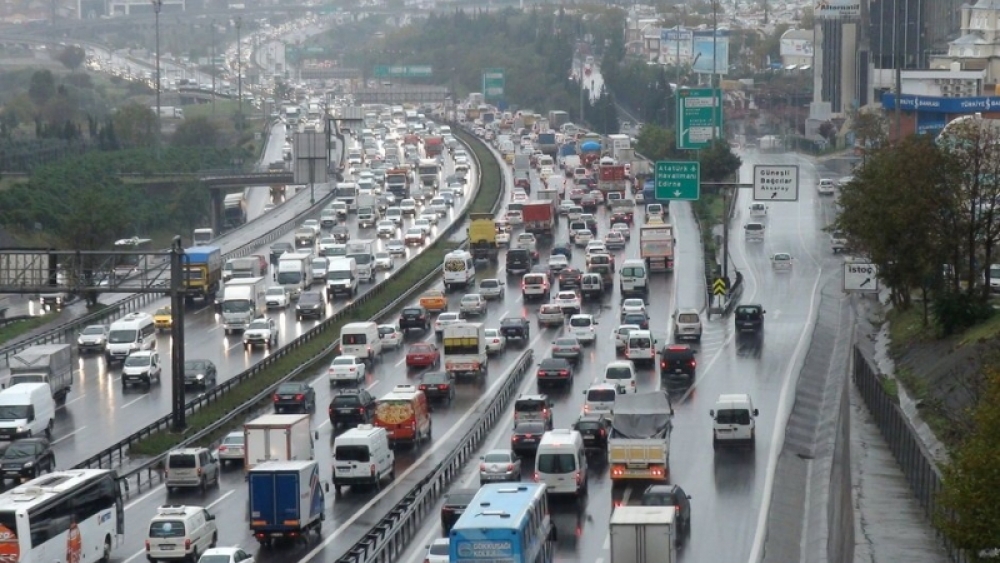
[750, 318]
[310, 304]
[595, 429]
[455, 504]
[27, 458]
[414, 317]
[677, 360]
[352, 406]
[294, 396]
[515, 327]
[671, 495]
[519, 261]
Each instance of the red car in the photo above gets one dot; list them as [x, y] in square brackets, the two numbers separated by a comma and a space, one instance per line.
[422, 355]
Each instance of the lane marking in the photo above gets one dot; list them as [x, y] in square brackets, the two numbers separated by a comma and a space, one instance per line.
[134, 401]
[217, 501]
[70, 435]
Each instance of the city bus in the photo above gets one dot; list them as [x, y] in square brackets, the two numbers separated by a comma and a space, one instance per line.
[127, 265]
[504, 522]
[73, 516]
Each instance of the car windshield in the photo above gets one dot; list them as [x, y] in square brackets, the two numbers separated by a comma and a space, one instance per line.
[659, 498]
[530, 428]
[352, 453]
[489, 284]
[587, 425]
[344, 361]
[733, 416]
[275, 291]
[290, 388]
[687, 318]
[448, 317]
[616, 372]
[14, 412]
[440, 548]
[258, 325]
[121, 336]
[386, 330]
[556, 463]
[166, 529]
[346, 400]
[134, 361]
[635, 318]
[195, 365]
[601, 395]
[93, 330]
[566, 342]
[580, 322]
[16, 450]
[497, 457]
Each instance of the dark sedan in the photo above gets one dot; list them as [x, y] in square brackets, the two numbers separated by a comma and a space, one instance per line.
[438, 386]
[526, 437]
[200, 373]
[27, 458]
[296, 397]
[594, 429]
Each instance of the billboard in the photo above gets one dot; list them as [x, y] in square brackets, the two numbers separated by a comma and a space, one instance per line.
[675, 44]
[701, 47]
[796, 48]
[834, 9]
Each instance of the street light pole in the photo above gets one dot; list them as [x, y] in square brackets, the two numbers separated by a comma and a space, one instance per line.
[214, 67]
[239, 73]
[157, 5]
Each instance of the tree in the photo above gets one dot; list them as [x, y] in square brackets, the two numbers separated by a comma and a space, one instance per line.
[657, 143]
[42, 88]
[135, 125]
[871, 129]
[718, 162]
[72, 57]
[196, 132]
[969, 501]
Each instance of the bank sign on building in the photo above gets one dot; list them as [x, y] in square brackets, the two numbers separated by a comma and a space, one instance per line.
[933, 113]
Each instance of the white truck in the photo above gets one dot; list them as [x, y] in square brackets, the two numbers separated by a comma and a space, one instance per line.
[46, 363]
[203, 236]
[295, 272]
[464, 347]
[429, 173]
[277, 437]
[243, 300]
[367, 210]
[639, 444]
[237, 268]
[656, 246]
[643, 534]
[363, 252]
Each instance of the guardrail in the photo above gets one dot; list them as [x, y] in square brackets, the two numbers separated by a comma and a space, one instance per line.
[65, 331]
[148, 473]
[388, 539]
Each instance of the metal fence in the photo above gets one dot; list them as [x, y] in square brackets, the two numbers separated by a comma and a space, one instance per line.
[913, 458]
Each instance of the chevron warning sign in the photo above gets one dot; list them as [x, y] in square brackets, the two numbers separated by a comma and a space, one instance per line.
[719, 286]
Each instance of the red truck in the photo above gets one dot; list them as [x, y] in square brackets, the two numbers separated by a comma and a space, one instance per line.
[539, 217]
[433, 146]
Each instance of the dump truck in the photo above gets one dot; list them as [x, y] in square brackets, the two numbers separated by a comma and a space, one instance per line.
[639, 445]
[483, 237]
[656, 246]
[46, 363]
[644, 534]
[202, 272]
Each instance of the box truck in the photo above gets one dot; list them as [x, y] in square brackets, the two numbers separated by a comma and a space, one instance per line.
[47, 363]
[643, 534]
[243, 300]
[277, 437]
[287, 500]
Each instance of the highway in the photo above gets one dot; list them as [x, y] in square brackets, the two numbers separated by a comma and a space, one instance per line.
[728, 488]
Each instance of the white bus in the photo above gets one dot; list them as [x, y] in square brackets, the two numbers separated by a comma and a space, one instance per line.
[73, 516]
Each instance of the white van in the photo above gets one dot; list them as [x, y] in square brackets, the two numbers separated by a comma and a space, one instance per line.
[640, 347]
[361, 456]
[734, 420]
[601, 398]
[342, 277]
[634, 278]
[622, 372]
[561, 462]
[459, 270]
[361, 340]
[754, 232]
[26, 410]
[131, 333]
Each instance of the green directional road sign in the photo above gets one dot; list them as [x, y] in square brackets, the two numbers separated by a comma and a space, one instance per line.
[699, 113]
[493, 83]
[390, 71]
[678, 180]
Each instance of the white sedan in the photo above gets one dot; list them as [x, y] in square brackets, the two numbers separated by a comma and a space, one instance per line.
[276, 297]
[430, 216]
[424, 224]
[633, 306]
[386, 228]
[225, 555]
[582, 237]
[384, 261]
[409, 206]
[782, 261]
[391, 336]
[346, 369]
[495, 342]
[568, 301]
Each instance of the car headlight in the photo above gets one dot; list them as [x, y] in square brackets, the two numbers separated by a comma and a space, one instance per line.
[133, 346]
[29, 464]
[21, 429]
[200, 376]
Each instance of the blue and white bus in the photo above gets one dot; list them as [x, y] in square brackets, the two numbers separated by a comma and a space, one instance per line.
[504, 523]
[74, 516]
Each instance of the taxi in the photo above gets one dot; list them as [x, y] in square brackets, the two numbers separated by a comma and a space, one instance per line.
[434, 301]
[163, 319]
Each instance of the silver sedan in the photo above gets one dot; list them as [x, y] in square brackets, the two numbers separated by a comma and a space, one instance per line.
[499, 465]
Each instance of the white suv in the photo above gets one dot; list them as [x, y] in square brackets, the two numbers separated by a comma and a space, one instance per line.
[180, 532]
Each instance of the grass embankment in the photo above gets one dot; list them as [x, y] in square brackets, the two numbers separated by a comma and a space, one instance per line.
[15, 329]
[312, 353]
[711, 211]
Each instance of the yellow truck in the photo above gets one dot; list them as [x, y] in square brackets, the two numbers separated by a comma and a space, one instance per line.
[163, 320]
[202, 272]
[483, 237]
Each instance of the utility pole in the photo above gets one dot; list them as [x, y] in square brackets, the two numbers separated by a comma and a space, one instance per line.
[239, 74]
[157, 6]
[215, 68]
[177, 278]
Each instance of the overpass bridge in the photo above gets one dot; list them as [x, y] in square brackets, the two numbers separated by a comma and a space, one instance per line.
[189, 95]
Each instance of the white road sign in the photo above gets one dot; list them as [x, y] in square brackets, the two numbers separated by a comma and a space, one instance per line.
[860, 278]
[776, 182]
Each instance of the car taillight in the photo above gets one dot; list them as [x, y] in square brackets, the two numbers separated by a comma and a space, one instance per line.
[147, 545]
[586, 408]
[579, 478]
[482, 467]
[199, 470]
[300, 397]
[423, 387]
[602, 432]
[663, 364]
[576, 348]
[372, 468]
[527, 435]
[443, 387]
[275, 398]
[537, 477]
[694, 363]
[633, 383]
[223, 448]
[677, 510]
[516, 439]
[510, 467]
[361, 410]
[187, 544]
[563, 372]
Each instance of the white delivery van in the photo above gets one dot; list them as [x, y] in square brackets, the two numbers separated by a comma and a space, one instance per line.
[131, 333]
[634, 278]
[295, 272]
[459, 269]
[361, 340]
[734, 420]
[363, 253]
[341, 278]
[561, 462]
[26, 410]
[362, 456]
[640, 347]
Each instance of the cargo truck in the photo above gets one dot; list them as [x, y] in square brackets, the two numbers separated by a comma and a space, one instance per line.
[241, 268]
[433, 146]
[539, 217]
[277, 437]
[202, 272]
[287, 500]
[429, 173]
[465, 349]
[483, 237]
[546, 142]
[558, 118]
[617, 145]
[243, 300]
[202, 236]
[644, 534]
[639, 444]
[611, 177]
[46, 363]
[656, 246]
[397, 181]
[234, 210]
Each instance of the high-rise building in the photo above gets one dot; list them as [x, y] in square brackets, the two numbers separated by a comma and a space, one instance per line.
[906, 32]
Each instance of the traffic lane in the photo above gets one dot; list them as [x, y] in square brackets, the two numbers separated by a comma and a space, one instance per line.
[205, 339]
[77, 440]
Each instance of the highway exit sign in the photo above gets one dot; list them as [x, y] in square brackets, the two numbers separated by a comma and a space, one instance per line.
[677, 180]
[699, 115]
